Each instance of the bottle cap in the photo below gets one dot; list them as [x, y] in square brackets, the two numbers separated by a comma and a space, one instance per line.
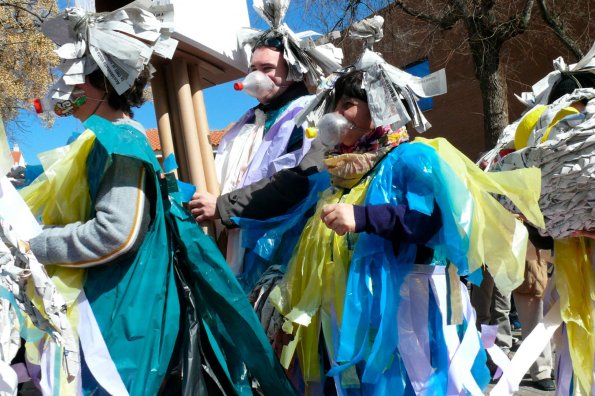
[37, 105]
[311, 132]
[238, 86]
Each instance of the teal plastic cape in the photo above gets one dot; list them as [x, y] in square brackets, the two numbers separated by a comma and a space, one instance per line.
[138, 303]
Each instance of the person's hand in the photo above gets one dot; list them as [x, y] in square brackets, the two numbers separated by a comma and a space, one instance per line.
[339, 218]
[203, 207]
[584, 233]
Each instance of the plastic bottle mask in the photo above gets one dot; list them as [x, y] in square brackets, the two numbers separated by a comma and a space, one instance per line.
[331, 129]
[62, 108]
[256, 84]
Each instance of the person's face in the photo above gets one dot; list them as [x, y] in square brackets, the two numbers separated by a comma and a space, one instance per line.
[272, 64]
[95, 98]
[356, 111]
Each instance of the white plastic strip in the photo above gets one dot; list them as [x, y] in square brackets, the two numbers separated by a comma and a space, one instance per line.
[8, 379]
[95, 351]
[461, 353]
[528, 352]
[413, 334]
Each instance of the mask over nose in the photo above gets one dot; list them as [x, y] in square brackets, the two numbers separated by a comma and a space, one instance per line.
[256, 84]
[61, 99]
[331, 128]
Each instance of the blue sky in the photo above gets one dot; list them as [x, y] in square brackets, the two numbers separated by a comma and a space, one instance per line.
[223, 104]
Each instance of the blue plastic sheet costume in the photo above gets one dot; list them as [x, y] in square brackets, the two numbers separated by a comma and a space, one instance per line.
[398, 327]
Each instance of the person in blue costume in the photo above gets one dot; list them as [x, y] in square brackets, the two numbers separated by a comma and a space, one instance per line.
[353, 223]
[155, 306]
[367, 288]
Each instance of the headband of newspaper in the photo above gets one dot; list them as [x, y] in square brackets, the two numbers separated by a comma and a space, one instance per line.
[120, 43]
[541, 90]
[386, 86]
[305, 59]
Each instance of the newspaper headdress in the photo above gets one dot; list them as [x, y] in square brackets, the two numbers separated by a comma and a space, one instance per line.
[120, 43]
[540, 91]
[305, 59]
[386, 86]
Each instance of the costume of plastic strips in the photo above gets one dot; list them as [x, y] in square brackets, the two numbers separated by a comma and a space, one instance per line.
[388, 324]
[560, 141]
[172, 303]
[220, 332]
[22, 276]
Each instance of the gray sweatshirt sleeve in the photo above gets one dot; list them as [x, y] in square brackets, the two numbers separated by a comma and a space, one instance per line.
[123, 215]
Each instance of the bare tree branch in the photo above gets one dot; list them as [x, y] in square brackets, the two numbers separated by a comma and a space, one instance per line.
[19, 7]
[557, 26]
[517, 24]
[447, 20]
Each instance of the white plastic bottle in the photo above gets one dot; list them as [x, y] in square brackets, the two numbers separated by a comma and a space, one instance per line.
[330, 128]
[256, 84]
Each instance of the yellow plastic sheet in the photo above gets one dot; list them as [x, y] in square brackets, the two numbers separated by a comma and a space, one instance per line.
[559, 115]
[575, 282]
[60, 196]
[313, 289]
[526, 126]
[497, 238]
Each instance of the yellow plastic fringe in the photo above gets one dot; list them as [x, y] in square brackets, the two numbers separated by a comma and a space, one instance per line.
[526, 126]
[497, 238]
[313, 289]
[61, 196]
[575, 282]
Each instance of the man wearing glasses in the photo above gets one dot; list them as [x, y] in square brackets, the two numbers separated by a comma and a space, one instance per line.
[266, 138]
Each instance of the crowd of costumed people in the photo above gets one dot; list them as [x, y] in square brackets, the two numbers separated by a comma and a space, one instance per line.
[350, 246]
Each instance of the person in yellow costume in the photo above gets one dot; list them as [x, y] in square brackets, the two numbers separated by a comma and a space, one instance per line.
[555, 134]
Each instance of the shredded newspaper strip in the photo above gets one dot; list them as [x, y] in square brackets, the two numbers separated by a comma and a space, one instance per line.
[386, 86]
[18, 268]
[567, 162]
[562, 144]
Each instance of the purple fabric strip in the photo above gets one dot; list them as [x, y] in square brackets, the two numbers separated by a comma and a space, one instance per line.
[233, 132]
[271, 156]
[22, 372]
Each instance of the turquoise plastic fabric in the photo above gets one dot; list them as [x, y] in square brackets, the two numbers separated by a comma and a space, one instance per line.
[135, 302]
[234, 325]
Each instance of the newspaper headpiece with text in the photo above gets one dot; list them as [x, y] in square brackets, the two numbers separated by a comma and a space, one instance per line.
[386, 86]
[540, 91]
[120, 43]
[556, 136]
[305, 59]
